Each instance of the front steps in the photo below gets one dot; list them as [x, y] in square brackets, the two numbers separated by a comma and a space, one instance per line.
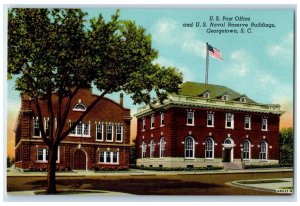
[233, 165]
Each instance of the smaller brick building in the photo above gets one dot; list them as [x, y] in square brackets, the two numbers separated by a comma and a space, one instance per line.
[101, 140]
[207, 125]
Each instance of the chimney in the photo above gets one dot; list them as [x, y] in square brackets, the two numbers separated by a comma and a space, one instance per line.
[121, 99]
[25, 101]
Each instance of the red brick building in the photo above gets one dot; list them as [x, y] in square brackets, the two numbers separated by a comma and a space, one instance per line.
[102, 140]
[207, 125]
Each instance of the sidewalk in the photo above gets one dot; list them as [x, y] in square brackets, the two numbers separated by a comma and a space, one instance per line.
[13, 172]
[278, 185]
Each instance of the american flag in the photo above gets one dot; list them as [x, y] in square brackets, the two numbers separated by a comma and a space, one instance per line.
[214, 52]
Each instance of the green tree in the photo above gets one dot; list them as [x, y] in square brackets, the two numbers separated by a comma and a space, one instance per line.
[57, 51]
[286, 146]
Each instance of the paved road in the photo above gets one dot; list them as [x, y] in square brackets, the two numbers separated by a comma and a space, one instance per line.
[154, 183]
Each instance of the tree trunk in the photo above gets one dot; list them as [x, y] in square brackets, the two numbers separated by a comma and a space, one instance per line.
[51, 186]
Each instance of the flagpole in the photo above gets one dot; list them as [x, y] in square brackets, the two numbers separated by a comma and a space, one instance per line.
[207, 62]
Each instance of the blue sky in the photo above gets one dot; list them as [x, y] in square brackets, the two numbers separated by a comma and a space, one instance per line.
[259, 65]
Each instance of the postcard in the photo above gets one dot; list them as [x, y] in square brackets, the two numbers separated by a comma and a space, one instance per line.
[150, 101]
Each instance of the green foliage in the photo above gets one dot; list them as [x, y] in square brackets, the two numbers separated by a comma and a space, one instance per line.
[132, 160]
[286, 146]
[253, 166]
[176, 168]
[9, 161]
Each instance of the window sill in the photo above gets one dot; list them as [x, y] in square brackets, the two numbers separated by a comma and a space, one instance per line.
[36, 137]
[190, 124]
[119, 141]
[107, 163]
[97, 140]
[229, 127]
[209, 159]
[264, 130]
[210, 126]
[109, 140]
[192, 158]
[162, 125]
[75, 135]
[41, 161]
[247, 128]
[152, 128]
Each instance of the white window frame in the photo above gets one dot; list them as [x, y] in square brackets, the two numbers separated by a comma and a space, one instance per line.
[119, 132]
[212, 120]
[112, 133]
[152, 122]
[46, 123]
[264, 122]
[76, 133]
[36, 125]
[143, 124]
[249, 119]
[189, 147]
[152, 149]
[263, 152]
[162, 147]
[225, 97]
[162, 119]
[111, 154]
[206, 95]
[247, 151]
[79, 109]
[144, 150]
[99, 126]
[45, 153]
[190, 115]
[243, 99]
[209, 148]
[231, 121]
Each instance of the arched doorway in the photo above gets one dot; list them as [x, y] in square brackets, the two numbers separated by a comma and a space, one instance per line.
[228, 150]
[79, 160]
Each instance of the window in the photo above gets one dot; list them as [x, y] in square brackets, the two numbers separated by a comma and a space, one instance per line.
[210, 120]
[79, 106]
[109, 133]
[263, 151]
[162, 119]
[162, 147]
[47, 127]
[227, 141]
[229, 120]
[144, 149]
[152, 148]
[144, 124]
[225, 97]
[42, 155]
[119, 133]
[189, 148]
[247, 122]
[36, 128]
[264, 125]
[243, 99]
[206, 95]
[246, 150]
[209, 149]
[99, 132]
[108, 157]
[81, 130]
[152, 121]
[190, 118]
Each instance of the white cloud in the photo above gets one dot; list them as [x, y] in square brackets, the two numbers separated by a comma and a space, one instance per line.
[187, 73]
[170, 33]
[283, 50]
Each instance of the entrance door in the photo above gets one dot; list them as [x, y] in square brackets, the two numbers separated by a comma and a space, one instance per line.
[79, 160]
[227, 154]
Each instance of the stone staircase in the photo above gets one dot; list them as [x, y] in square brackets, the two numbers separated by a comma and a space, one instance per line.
[233, 165]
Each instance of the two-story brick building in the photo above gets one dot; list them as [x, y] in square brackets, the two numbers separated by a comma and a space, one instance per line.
[101, 140]
[207, 125]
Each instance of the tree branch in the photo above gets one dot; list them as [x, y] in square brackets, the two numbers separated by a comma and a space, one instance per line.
[41, 125]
